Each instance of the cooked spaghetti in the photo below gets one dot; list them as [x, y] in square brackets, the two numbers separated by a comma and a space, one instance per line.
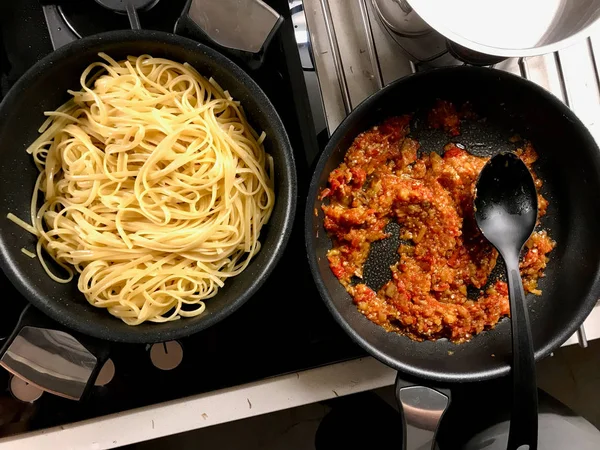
[155, 188]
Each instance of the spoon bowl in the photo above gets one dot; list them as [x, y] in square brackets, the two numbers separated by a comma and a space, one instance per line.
[506, 202]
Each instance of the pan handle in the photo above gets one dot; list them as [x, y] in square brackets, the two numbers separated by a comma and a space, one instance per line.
[422, 409]
[55, 359]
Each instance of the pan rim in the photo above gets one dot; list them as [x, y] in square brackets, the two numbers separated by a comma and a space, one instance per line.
[432, 375]
[287, 198]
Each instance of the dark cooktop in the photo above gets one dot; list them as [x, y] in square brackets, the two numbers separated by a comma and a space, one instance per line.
[284, 328]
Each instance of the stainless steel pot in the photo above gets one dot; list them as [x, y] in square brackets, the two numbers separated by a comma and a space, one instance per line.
[510, 28]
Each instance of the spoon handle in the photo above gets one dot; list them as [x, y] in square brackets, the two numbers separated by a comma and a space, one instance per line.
[524, 415]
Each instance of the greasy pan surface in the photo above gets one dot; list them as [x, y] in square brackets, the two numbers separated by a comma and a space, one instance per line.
[44, 88]
[569, 165]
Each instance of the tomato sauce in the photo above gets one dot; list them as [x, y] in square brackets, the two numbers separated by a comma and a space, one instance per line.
[383, 178]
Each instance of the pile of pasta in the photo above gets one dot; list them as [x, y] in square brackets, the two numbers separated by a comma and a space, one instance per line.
[153, 188]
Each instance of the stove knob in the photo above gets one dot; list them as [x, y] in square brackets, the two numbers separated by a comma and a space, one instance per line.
[106, 374]
[24, 391]
[166, 355]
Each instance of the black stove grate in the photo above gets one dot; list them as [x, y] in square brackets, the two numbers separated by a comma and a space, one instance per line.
[160, 17]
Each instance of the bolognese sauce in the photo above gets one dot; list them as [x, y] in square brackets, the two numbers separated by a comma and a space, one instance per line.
[383, 178]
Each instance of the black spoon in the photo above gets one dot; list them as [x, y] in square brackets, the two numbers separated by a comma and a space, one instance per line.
[506, 212]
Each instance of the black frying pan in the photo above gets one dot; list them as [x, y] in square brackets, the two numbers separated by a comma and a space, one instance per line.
[44, 87]
[569, 164]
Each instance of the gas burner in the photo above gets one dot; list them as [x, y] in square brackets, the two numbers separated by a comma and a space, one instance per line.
[88, 17]
[106, 374]
[122, 6]
[166, 355]
[130, 7]
[24, 391]
[400, 18]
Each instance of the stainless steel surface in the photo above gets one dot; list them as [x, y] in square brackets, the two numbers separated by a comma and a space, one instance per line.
[239, 24]
[561, 76]
[571, 74]
[52, 360]
[60, 33]
[302, 35]
[337, 60]
[511, 28]
[422, 409]
[364, 12]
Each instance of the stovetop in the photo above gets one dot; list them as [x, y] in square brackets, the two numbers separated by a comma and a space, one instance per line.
[279, 330]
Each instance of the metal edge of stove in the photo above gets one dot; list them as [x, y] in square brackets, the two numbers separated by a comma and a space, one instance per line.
[329, 25]
[304, 110]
